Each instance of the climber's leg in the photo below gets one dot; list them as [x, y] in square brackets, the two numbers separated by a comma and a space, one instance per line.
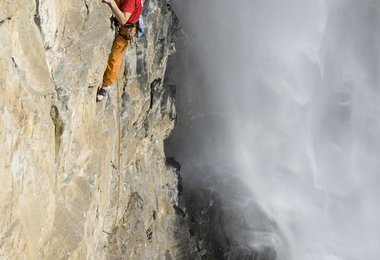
[113, 66]
[114, 61]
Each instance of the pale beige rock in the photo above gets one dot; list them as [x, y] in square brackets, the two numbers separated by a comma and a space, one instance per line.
[81, 180]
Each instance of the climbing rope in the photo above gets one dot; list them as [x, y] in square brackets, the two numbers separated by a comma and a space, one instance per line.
[118, 167]
[118, 149]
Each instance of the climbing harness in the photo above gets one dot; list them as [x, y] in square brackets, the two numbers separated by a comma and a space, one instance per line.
[129, 36]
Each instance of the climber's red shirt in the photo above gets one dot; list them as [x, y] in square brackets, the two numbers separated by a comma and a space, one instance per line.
[134, 7]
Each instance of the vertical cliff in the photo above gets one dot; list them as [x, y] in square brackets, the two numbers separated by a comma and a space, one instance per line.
[82, 180]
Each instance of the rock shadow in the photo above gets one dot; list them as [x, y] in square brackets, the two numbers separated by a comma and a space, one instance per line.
[227, 222]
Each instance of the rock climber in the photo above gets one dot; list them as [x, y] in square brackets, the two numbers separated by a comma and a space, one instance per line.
[126, 16]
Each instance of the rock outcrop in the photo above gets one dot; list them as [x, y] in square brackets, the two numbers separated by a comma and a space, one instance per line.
[81, 180]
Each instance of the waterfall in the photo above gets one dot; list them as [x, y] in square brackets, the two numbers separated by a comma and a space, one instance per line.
[285, 97]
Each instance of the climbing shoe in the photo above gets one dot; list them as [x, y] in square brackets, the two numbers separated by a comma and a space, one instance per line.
[102, 92]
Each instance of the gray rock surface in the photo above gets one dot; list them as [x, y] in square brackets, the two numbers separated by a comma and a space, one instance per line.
[81, 180]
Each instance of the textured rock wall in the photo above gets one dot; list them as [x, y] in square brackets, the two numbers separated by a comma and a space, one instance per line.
[81, 180]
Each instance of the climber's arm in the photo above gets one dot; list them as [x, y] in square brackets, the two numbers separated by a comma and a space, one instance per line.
[121, 16]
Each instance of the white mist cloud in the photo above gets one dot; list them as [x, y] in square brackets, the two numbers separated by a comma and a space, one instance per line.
[287, 95]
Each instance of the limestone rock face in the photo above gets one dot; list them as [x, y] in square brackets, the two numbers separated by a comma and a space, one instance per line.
[81, 180]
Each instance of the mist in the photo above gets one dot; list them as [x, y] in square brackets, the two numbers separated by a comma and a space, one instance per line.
[279, 117]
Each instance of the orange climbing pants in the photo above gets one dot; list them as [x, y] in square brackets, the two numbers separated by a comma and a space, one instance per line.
[115, 58]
